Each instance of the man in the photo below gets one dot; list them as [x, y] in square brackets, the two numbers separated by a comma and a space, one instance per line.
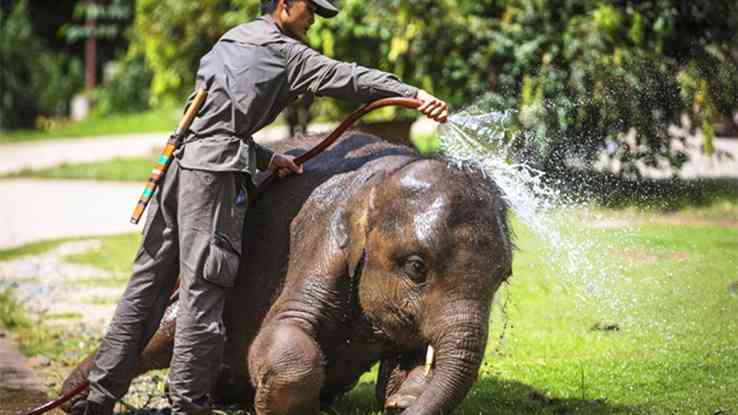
[194, 225]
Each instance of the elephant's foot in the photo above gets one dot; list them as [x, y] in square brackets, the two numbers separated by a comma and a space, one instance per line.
[409, 391]
[287, 370]
[402, 379]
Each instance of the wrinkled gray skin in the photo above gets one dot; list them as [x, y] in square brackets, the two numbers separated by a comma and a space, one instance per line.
[371, 255]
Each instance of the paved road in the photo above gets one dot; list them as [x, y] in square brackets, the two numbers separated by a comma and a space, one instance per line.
[34, 210]
[39, 154]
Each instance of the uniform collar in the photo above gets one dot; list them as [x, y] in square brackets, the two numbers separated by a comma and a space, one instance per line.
[261, 31]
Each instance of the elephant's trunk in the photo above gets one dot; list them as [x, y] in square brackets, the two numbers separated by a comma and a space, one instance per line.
[458, 354]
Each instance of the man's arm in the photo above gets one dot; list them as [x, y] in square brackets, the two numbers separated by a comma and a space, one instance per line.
[310, 71]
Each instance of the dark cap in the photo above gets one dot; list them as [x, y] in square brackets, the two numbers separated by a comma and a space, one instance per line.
[324, 8]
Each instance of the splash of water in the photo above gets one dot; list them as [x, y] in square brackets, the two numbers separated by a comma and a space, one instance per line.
[486, 140]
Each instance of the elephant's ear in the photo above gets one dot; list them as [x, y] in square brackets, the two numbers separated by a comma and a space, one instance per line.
[358, 218]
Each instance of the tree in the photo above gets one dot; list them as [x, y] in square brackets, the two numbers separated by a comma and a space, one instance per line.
[39, 81]
[579, 74]
[582, 74]
[175, 34]
[102, 20]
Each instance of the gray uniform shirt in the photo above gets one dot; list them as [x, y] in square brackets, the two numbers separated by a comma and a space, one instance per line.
[251, 74]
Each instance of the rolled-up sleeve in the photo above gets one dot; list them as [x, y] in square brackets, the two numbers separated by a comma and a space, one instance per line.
[310, 71]
[263, 156]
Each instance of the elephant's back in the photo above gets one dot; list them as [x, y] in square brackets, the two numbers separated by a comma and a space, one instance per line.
[350, 152]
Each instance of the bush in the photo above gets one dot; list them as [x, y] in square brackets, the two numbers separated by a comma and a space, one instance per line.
[579, 75]
[35, 81]
[127, 88]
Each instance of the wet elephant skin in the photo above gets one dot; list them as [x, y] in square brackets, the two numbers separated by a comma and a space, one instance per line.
[371, 255]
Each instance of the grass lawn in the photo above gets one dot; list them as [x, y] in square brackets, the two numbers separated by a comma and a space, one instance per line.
[145, 122]
[650, 328]
[120, 169]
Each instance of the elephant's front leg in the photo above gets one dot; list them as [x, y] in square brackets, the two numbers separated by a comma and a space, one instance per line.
[286, 360]
[287, 370]
[401, 380]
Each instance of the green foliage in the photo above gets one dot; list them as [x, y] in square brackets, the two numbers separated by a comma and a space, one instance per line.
[12, 314]
[127, 88]
[18, 108]
[35, 80]
[132, 169]
[110, 20]
[579, 74]
[175, 34]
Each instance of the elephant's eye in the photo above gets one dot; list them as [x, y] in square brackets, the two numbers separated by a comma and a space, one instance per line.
[415, 268]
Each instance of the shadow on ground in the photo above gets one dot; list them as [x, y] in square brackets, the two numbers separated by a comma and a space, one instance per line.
[494, 396]
[489, 396]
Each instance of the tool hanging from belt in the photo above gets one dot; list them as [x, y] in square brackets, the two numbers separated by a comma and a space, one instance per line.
[165, 159]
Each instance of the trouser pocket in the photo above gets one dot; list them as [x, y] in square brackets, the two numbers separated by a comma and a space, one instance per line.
[221, 265]
[212, 210]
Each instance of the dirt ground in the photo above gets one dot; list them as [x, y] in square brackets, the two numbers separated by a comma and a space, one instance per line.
[20, 389]
[35, 280]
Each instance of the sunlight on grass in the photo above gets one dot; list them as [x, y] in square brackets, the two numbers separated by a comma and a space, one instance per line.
[119, 169]
[164, 119]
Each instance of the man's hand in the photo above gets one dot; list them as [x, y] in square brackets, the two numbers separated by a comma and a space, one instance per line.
[283, 165]
[433, 107]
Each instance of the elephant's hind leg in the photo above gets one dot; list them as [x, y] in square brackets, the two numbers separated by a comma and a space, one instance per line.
[287, 371]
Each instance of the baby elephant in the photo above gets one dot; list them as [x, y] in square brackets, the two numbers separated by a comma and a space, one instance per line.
[374, 254]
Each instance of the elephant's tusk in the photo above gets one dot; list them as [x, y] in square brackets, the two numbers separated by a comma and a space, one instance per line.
[429, 357]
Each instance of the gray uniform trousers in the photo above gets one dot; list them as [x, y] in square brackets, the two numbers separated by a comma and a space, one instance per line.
[193, 229]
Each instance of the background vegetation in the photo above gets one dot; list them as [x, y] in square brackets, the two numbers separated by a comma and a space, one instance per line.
[578, 74]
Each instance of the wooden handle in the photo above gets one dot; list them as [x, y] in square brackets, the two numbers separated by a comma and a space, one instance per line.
[193, 110]
[166, 156]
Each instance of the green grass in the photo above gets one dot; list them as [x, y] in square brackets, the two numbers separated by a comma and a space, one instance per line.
[12, 313]
[114, 255]
[38, 335]
[146, 122]
[675, 351]
[36, 248]
[672, 290]
[119, 169]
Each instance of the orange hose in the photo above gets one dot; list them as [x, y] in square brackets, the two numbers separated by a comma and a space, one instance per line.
[410, 103]
[60, 400]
